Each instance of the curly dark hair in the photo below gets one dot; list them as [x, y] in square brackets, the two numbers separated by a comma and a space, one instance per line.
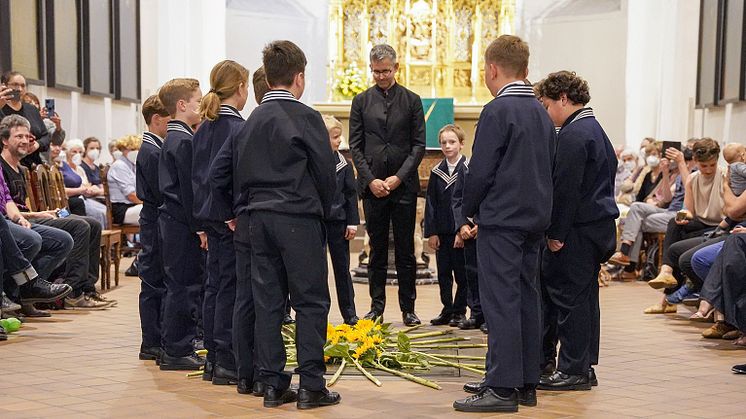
[705, 149]
[567, 82]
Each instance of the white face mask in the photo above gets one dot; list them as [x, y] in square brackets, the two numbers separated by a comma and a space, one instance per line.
[93, 154]
[132, 156]
[653, 161]
[116, 154]
[630, 165]
[61, 157]
[77, 159]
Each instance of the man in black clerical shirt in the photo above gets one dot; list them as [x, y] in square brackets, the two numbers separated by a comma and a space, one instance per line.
[387, 142]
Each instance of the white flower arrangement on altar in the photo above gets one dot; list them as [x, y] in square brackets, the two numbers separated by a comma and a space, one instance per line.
[349, 82]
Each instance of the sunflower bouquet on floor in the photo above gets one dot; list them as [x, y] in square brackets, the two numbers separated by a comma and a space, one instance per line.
[373, 345]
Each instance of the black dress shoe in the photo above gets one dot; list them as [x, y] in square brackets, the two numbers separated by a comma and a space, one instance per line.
[738, 369]
[469, 324]
[457, 320]
[351, 321]
[258, 389]
[372, 315]
[29, 310]
[488, 400]
[592, 377]
[441, 319]
[191, 362]
[559, 381]
[223, 376]
[150, 353]
[132, 270]
[410, 319]
[274, 397]
[207, 373]
[243, 386]
[483, 328]
[40, 291]
[288, 320]
[308, 399]
[527, 395]
[474, 387]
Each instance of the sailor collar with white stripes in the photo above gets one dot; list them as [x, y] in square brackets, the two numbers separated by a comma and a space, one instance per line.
[228, 110]
[278, 95]
[152, 139]
[342, 162]
[443, 174]
[577, 115]
[176, 125]
[517, 88]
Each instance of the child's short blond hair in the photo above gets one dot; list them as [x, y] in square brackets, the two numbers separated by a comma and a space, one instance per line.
[175, 90]
[510, 53]
[129, 142]
[454, 129]
[331, 122]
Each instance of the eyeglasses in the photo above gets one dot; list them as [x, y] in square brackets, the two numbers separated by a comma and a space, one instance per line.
[382, 73]
[17, 85]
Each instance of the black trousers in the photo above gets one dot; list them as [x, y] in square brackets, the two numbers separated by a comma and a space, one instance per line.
[676, 233]
[339, 250]
[451, 264]
[680, 253]
[730, 270]
[183, 264]
[549, 337]
[220, 295]
[472, 280]
[571, 278]
[288, 253]
[152, 287]
[379, 214]
[509, 293]
[244, 315]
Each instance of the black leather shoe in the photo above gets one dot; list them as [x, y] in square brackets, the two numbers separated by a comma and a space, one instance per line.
[441, 319]
[308, 399]
[29, 310]
[410, 319]
[150, 353]
[351, 321]
[527, 395]
[548, 368]
[258, 389]
[592, 377]
[469, 324]
[488, 401]
[738, 369]
[223, 376]
[559, 381]
[457, 320]
[474, 387]
[132, 270]
[372, 315]
[288, 319]
[274, 397]
[243, 386]
[207, 373]
[191, 362]
[40, 291]
[483, 328]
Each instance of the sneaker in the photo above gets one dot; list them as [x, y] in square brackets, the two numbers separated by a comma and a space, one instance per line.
[99, 298]
[8, 305]
[40, 291]
[84, 303]
[678, 296]
[718, 330]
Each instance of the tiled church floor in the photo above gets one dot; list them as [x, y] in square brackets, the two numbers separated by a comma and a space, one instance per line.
[84, 364]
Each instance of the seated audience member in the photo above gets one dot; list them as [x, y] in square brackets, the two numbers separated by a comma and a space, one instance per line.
[57, 156]
[82, 268]
[625, 170]
[114, 150]
[703, 203]
[643, 185]
[645, 217]
[52, 122]
[40, 135]
[77, 184]
[125, 205]
[92, 152]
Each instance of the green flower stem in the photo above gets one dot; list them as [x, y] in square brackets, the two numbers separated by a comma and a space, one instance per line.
[366, 373]
[410, 377]
[337, 374]
[468, 357]
[448, 363]
[460, 365]
[194, 374]
[462, 346]
[444, 340]
[429, 334]
[201, 352]
[411, 329]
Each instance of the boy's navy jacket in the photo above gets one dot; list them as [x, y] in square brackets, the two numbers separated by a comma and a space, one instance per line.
[175, 174]
[212, 204]
[509, 181]
[344, 204]
[283, 160]
[439, 215]
[457, 199]
[146, 175]
[584, 172]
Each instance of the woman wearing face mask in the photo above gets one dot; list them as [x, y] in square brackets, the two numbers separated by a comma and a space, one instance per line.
[627, 166]
[125, 206]
[650, 186]
[114, 150]
[75, 204]
[92, 147]
[77, 184]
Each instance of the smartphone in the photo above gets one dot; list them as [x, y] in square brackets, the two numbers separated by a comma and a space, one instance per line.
[681, 215]
[670, 144]
[49, 104]
[63, 213]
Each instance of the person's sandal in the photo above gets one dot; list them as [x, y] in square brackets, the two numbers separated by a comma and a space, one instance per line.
[660, 309]
[704, 318]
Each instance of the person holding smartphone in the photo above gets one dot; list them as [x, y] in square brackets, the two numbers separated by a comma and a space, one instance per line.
[14, 105]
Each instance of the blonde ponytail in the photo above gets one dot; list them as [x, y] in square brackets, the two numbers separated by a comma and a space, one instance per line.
[225, 79]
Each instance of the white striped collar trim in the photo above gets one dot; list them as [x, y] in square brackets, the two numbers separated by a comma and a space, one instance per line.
[179, 126]
[585, 113]
[516, 89]
[448, 179]
[228, 110]
[152, 139]
[278, 95]
[342, 162]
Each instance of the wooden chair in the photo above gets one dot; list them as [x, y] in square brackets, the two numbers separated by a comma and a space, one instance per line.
[44, 201]
[125, 229]
[649, 239]
[110, 256]
[57, 188]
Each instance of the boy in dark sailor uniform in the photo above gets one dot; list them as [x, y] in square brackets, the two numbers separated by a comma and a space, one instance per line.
[182, 238]
[509, 188]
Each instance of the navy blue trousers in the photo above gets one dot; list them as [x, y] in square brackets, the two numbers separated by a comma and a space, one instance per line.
[288, 253]
[244, 315]
[451, 265]
[339, 250]
[509, 293]
[183, 263]
[220, 295]
[571, 279]
[472, 280]
[152, 287]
